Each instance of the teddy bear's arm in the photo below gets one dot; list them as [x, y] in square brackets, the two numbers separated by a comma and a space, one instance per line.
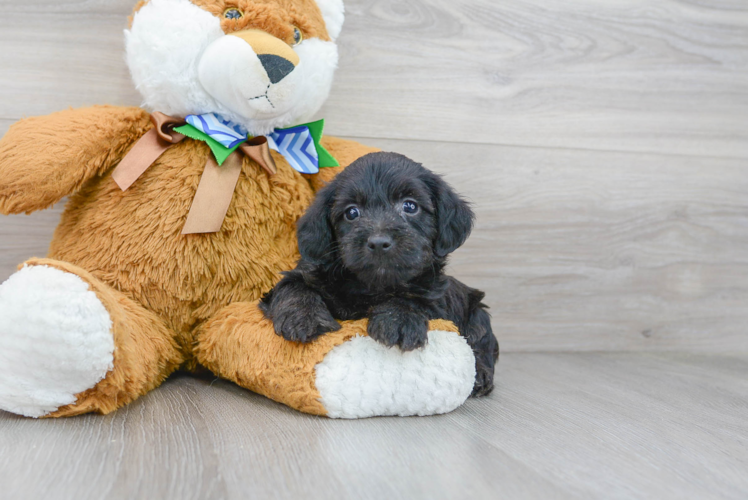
[346, 152]
[45, 158]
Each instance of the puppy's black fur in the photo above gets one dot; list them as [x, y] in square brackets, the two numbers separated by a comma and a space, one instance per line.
[374, 244]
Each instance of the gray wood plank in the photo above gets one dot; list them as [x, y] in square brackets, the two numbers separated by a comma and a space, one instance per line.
[620, 75]
[623, 75]
[557, 426]
[622, 426]
[26, 236]
[5, 125]
[376, 458]
[70, 59]
[156, 448]
[80, 7]
[577, 250]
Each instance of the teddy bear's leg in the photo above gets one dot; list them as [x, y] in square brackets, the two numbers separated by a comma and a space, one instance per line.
[70, 344]
[343, 374]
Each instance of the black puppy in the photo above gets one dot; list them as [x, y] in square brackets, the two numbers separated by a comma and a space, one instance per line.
[374, 244]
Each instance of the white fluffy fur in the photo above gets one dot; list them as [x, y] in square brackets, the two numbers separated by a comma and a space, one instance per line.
[182, 63]
[55, 340]
[363, 378]
[163, 50]
[333, 11]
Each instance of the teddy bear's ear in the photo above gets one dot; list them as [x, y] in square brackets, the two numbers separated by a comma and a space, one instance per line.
[333, 12]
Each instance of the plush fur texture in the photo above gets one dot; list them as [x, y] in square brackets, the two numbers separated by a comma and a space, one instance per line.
[172, 300]
[382, 385]
[55, 340]
[45, 158]
[333, 11]
[374, 244]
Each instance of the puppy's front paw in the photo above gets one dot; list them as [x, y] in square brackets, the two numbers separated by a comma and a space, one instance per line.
[408, 330]
[304, 323]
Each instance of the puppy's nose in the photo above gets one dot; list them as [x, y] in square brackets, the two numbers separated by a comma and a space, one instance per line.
[379, 243]
[276, 67]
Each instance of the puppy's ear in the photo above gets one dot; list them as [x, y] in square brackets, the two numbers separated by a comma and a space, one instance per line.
[314, 230]
[454, 218]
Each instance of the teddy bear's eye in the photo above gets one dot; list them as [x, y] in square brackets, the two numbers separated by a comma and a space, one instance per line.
[233, 13]
[298, 36]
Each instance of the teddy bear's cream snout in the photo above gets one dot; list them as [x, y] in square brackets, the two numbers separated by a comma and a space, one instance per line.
[277, 57]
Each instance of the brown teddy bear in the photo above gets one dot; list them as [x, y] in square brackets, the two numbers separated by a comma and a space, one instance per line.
[181, 217]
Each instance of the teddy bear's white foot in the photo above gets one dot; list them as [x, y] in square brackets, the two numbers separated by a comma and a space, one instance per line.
[55, 340]
[363, 378]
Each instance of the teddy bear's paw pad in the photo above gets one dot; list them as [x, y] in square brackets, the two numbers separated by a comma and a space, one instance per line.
[363, 378]
[55, 340]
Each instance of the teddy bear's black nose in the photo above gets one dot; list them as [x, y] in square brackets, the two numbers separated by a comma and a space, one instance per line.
[276, 67]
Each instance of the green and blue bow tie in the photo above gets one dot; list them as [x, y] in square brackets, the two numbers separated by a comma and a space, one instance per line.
[299, 145]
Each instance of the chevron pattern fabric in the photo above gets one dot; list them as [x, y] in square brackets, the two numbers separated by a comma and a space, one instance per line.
[297, 147]
[222, 131]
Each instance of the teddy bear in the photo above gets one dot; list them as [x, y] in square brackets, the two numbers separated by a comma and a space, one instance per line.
[182, 214]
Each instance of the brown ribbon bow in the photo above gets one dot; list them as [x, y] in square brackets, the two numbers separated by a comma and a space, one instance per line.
[217, 183]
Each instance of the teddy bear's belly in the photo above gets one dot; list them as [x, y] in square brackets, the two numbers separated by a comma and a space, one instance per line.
[132, 240]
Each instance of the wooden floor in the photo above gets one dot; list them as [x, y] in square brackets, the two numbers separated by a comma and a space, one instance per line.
[588, 425]
[605, 147]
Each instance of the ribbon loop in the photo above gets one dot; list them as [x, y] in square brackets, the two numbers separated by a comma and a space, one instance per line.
[142, 155]
[165, 125]
[258, 150]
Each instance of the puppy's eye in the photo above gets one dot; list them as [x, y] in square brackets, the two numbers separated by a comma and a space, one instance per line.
[410, 207]
[352, 213]
[233, 13]
[298, 36]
